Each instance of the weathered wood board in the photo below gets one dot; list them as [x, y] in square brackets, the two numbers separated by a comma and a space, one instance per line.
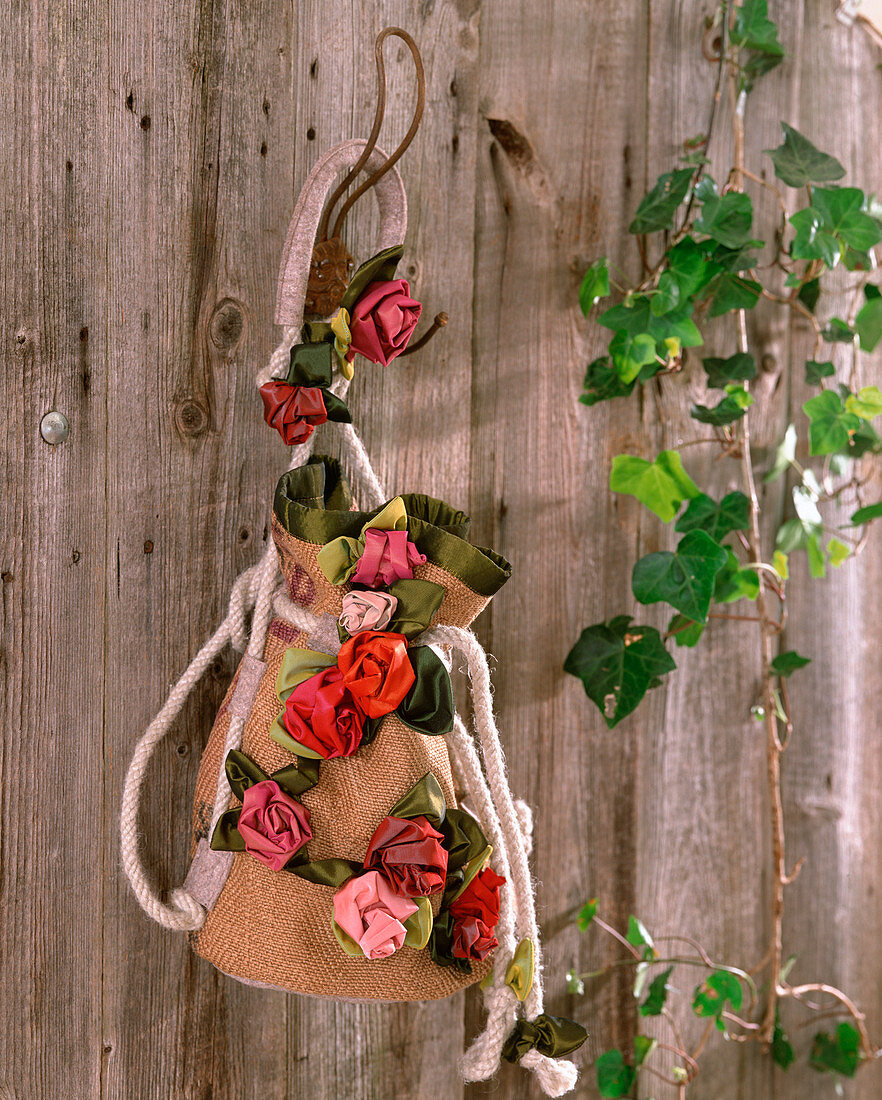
[152, 153]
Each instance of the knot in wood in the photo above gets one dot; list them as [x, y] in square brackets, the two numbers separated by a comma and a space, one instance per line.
[191, 418]
[227, 324]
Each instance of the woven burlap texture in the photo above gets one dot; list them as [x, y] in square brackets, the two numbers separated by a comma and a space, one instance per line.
[273, 927]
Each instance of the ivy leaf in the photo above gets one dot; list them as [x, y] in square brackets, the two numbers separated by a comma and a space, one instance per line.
[661, 485]
[812, 240]
[630, 352]
[865, 439]
[683, 578]
[867, 404]
[838, 552]
[657, 995]
[815, 371]
[614, 1078]
[586, 915]
[809, 293]
[868, 323]
[785, 664]
[753, 29]
[636, 316]
[734, 583]
[667, 294]
[779, 564]
[817, 559]
[727, 218]
[688, 266]
[602, 383]
[733, 292]
[575, 985]
[718, 520]
[638, 936]
[839, 1053]
[656, 210]
[644, 1045]
[595, 285]
[684, 631]
[711, 996]
[782, 1050]
[830, 423]
[864, 515]
[727, 411]
[739, 367]
[841, 210]
[798, 162]
[617, 664]
[838, 332]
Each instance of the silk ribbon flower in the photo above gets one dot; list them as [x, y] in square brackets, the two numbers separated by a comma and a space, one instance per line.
[381, 555]
[382, 321]
[376, 670]
[367, 611]
[409, 853]
[294, 411]
[321, 715]
[369, 911]
[273, 825]
[475, 915]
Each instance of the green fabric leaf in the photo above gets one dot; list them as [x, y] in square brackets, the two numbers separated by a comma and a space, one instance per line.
[866, 514]
[830, 423]
[656, 210]
[346, 942]
[726, 411]
[552, 1036]
[733, 292]
[464, 840]
[703, 513]
[336, 409]
[727, 218]
[868, 324]
[418, 600]
[734, 583]
[595, 285]
[428, 706]
[226, 836]
[378, 269]
[419, 924]
[300, 777]
[661, 485]
[657, 994]
[324, 872]
[280, 735]
[739, 367]
[683, 578]
[424, 799]
[785, 664]
[299, 665]
[815, 372]
[602, 383]
[614, 1077]
[616, 663]
[631, 352]
[712, 995]
[798, 162]
[311, 365]
[866, 404]
[242, 772]
[839, 1053]
[441, 944]
[519, 972]
[685, 632]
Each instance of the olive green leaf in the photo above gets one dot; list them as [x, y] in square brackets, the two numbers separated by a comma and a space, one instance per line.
[839, 1053]
[595, 285]
[785, 664]
[868, 323]
[830, 423]
[815, 372]
[684, 631]
[782, 1049]
[864, 515]
[656, 210]
[657, 994]
[739, 367]
[866, 404]
[712, 995]
[630, 352]
[734, 583]
[602, 383]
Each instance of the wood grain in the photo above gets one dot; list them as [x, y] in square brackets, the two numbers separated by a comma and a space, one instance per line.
[153, 154]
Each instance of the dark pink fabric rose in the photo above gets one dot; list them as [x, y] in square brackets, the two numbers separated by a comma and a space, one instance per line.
[273, 825]
[409, 852]
[388, 556]
[382, 321]
[294, 411]
[475, 915]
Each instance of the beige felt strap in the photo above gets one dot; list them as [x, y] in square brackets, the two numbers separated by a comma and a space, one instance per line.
[297, 255]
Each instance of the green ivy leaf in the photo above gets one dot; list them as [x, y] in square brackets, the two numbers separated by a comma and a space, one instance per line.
[683, 578]
[661, 485]
[727, 411]
[586, 915]
[866, 404]
[734, 583]
[868, 323]
[839, 1053]
[838, 332]
[575, 985]
[739, 367]
[711, 996]
[657, 994]
[635, 316]
[644, 1045]
[630, 352]
[815, 372]
[866, 514]
[782, 1050]
[753, 29]
[842, 213]
[726, 219]
[687, 264]
[779, 564]
[785, 664]
[830, 423]
[838, 552]
[617, 664]
[602, 383]
[809, 293]
[817, 559]
[637, 935]
[685, 632]
[667, 294]
[733, 292]
[656, 210]
[718, 520]
[595, 285]
[798, 162]
[865, 439]
[614, 1078]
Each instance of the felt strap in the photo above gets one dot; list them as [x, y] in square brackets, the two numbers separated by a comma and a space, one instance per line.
[297, 254]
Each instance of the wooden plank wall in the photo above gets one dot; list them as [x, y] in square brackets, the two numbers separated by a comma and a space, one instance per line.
[152, 153]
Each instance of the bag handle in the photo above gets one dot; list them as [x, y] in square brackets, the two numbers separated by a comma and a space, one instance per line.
[302, 232]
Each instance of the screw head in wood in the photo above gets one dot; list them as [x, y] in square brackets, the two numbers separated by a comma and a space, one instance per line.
[54, 427]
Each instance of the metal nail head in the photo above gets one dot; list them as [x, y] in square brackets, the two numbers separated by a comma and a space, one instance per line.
[54, 427]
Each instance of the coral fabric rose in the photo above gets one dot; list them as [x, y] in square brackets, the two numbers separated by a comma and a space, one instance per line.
[376, 670]
[475, 914]
[409, 853]
[388, 556]
[294, 411]
[382, 321]
[367, 611]
[321, 714]
[369, 910]
[273, 825]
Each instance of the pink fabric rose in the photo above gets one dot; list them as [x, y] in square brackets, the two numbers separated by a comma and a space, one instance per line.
[388, 556]
[273, 825]
[382, 321]
[369, 910]
[367, 611]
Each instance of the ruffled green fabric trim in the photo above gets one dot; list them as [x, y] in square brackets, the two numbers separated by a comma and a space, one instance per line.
[308, 506]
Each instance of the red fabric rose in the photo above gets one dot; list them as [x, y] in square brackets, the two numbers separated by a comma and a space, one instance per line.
[475, 914]
[382, 321]
[273, 824]
[294, 411]
[409, 853]
[376, 670]
[321, 714]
